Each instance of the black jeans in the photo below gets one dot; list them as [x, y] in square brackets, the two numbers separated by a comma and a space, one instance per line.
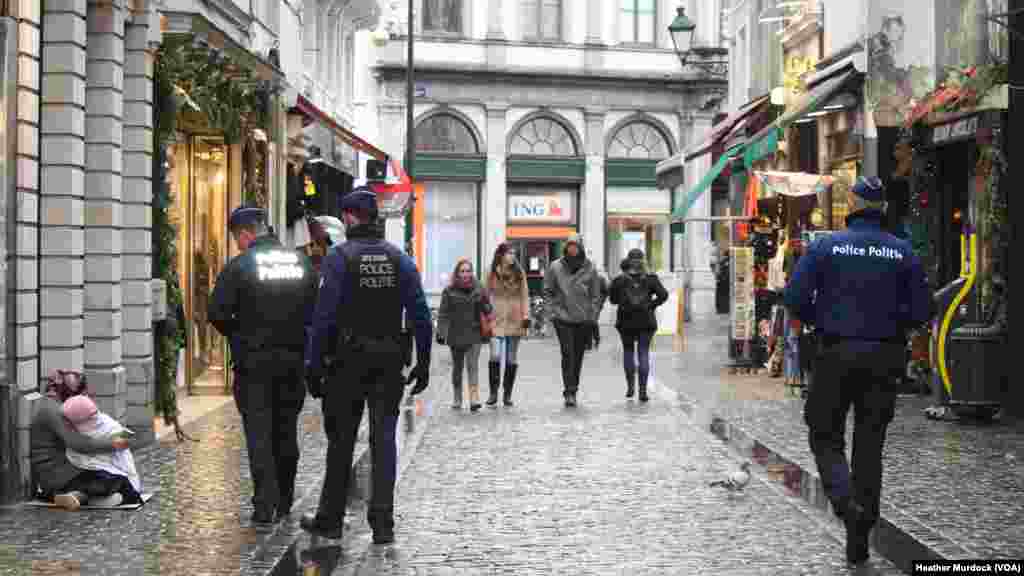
[344, 399]
[269, 393]
[97, 484]
[636, 350]
[858, 374]
[573, 339]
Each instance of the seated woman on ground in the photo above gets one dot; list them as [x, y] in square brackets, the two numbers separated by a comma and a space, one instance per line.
[55, 478]
[117, 466]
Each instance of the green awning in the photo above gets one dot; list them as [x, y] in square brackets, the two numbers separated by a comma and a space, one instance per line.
[766, 141]
[683, 206]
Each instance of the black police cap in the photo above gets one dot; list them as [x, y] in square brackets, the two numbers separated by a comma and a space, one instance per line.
[246, 216]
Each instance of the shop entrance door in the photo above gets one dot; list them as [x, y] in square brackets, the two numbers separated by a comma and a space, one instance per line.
[200, 186]
[536, 256]
[954, 188]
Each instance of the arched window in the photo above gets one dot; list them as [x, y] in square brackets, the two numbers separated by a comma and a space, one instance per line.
[543, 137]
[639, 140]
[446, 134]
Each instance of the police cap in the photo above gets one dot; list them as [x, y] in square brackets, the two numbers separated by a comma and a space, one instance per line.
[246, 216]
[361, 200]
[869, 188]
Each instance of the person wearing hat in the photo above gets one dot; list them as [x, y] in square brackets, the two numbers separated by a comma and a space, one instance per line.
[863, 289]
[574, 297]
[367, 288]
[636, 293]
[262, 302]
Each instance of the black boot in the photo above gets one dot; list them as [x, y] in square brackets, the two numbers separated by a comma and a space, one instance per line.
[510, 382]
[317, 525]
[643, 387]
[495, 380]
[630, 383]
[857, 531]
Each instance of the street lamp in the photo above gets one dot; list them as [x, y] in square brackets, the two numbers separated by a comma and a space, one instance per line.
[681, 30]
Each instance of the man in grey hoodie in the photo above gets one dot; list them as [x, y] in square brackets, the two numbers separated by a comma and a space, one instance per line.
[574, 298]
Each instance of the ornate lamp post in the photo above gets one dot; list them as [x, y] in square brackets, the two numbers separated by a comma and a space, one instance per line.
[681, 31]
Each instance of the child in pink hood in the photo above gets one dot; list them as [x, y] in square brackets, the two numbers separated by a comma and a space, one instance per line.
[86, 418]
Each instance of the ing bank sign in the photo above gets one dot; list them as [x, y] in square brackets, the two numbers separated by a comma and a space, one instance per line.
[549, 208]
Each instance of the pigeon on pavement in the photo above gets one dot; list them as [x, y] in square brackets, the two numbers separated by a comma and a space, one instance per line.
[736, 481]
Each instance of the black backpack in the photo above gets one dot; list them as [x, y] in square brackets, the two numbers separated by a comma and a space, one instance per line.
[636, 295]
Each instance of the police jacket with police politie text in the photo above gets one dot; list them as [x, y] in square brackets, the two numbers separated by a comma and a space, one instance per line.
[264, 299]
[366, 285]
[861, 283]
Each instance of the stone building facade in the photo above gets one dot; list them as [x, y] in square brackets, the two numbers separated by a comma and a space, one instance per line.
[80, 265]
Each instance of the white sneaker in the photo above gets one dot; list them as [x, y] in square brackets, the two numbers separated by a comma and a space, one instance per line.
[107, 501]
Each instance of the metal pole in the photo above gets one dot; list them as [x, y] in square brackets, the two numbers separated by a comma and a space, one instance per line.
[410, 135]
[1015, 133]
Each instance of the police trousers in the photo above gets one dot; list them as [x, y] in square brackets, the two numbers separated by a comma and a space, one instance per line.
[269, 393]
[853, 373]
[380, 388]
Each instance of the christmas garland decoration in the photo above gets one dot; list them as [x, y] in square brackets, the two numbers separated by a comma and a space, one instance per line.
[189, 81]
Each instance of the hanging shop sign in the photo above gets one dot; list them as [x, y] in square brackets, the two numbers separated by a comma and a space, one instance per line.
[959, 130]
[545, 208]
[742, 292]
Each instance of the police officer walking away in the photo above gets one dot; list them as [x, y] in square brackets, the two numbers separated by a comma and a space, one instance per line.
[262, 303]
[863, 289]
[367, 287]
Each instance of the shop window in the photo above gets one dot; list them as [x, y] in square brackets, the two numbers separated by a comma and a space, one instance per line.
[543, 137]
[446, 134]
[442, 16]
[638, 20]
[541, 19]
[450, 226]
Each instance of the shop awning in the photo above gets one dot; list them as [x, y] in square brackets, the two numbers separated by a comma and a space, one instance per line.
[765, 142]
[725, 127]
[308, 109]
[793, 184]
[680, 210]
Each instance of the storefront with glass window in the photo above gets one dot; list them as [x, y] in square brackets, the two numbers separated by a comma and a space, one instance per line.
[451, 168]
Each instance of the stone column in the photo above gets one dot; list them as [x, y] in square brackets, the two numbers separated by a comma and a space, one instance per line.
[592, 214]
[593, 55]
[24, 255]
[103, 111]
[137, 222]
[698, 234]
[496, 56]
[495, 200]
[62, 241]
[495, 30]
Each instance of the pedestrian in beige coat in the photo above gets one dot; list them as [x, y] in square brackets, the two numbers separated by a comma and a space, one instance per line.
[506, 286]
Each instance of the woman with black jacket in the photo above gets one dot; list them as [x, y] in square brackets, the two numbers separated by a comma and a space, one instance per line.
[636, 293]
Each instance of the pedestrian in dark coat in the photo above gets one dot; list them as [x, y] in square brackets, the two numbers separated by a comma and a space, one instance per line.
[459, 324]
[573, 297]
[637, 294]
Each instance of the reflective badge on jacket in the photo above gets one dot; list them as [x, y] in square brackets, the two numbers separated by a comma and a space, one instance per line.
[377, 271]
[278, 265]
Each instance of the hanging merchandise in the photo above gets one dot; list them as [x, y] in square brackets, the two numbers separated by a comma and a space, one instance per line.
[793, 184]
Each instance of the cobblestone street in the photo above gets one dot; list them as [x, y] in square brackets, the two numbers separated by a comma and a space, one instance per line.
[611, 487]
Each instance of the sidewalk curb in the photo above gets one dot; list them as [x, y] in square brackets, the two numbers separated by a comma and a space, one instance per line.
[897, 537]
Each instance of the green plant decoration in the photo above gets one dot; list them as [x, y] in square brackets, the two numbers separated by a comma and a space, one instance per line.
[190, 85]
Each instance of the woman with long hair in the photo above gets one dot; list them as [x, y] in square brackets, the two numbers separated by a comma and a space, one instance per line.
[506, 287]
[459, 325]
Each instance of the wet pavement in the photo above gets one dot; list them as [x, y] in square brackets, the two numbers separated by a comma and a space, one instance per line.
[611, 487]
[950, 489]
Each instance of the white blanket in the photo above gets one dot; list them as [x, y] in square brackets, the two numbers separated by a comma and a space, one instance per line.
[118, 462]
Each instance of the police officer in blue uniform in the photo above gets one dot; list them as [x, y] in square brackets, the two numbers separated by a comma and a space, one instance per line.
[263, 302]
[863, 289]
[367, 287]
